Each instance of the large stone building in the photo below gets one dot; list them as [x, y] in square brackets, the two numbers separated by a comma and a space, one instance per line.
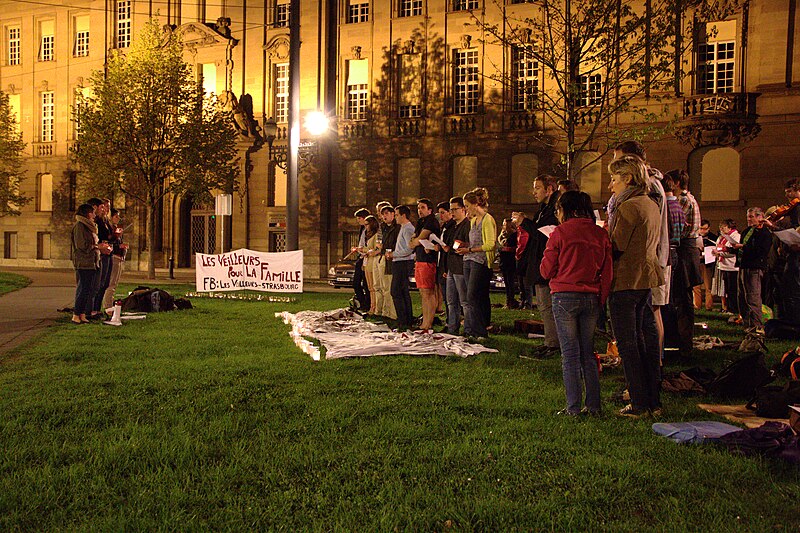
[423, 104]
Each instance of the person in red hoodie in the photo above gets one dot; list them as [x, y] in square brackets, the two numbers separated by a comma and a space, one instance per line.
[577, 262]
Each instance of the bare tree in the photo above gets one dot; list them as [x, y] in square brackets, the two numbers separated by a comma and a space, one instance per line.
[146, 128]
[608, 66]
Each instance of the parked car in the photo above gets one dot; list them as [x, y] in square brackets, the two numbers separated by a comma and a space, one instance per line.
[341, 274]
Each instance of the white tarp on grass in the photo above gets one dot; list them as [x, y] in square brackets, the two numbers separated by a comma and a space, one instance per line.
[346, 334]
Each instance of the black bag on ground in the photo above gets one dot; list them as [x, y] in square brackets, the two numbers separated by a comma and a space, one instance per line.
[741, 378]
[781, 329]
[147, 300]
[773, 401]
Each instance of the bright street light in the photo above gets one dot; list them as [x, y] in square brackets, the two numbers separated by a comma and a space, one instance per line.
[316, 123]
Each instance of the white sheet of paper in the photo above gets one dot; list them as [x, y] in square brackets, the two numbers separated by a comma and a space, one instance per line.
[428, 245]
[547, 230]
[436, 240]
[708, 254]
[730, 239]
[789, 236]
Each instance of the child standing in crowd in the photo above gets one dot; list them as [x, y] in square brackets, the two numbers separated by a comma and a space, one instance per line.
[577, 262]
[724, 284]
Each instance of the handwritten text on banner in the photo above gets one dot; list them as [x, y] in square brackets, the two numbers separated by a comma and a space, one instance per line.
[250, 270]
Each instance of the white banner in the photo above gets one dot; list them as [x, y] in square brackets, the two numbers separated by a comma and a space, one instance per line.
[250, 270]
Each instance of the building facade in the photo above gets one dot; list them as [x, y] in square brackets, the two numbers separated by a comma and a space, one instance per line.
[423, 101]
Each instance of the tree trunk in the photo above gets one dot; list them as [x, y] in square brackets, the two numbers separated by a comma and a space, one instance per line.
[151, 239]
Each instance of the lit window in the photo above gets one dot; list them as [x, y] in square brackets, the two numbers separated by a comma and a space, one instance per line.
[81, 45]
[525, 79]
[14, 55]
[357, 101]
[124, 23]
[357, 89]
[590, 90]
[715, 67]
[464, 5]
[208, 78]
[282, 93]
[48, 116]
[466, 82]
[357, 12]
[410, 8]
[47, 40]
[281, 15]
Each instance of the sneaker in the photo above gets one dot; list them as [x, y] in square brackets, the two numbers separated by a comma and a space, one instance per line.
[546, 352]
[658, 412]
[631, 412]
[567, 412]
[590, 412]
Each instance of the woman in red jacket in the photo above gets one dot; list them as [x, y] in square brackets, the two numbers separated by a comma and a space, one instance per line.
[577, 262]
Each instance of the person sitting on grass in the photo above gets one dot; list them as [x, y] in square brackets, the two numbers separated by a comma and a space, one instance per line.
[577, 262]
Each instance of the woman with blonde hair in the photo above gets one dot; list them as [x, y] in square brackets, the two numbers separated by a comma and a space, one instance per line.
[635, 231]
[478, 259]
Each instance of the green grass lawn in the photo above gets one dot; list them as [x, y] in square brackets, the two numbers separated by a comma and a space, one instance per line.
[212, 419]
[11, 282]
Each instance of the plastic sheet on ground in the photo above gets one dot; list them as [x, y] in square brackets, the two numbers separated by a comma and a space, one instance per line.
[346, 334]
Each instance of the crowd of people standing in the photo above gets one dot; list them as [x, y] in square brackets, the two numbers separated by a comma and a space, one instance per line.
[645, 269]
[98, 255]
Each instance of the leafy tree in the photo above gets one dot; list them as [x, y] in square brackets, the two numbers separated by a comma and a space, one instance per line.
[608, 67]
[146, 128]
[11, 147]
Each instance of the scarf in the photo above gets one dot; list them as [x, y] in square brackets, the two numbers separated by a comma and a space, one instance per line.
[627, 194]
[90, 225]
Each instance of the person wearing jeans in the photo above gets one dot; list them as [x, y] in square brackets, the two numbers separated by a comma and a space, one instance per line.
[752, 262]
[478, 258]
[456, 292]
[635, 232]
[85, 253]
[402, 257]
[577, 262]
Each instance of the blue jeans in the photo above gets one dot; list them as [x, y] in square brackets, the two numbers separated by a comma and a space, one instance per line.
[456, 294]
[101, 282]
[477, 307]
[634, 327]
[576, 318]
[86, 279]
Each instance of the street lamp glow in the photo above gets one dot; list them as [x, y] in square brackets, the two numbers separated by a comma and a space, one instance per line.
[317, 123]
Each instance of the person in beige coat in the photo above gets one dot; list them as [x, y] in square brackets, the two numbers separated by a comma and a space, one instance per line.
[635, 231]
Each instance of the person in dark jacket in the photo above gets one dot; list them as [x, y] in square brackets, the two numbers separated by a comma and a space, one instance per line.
[507, 241]
[752, 262]
[546, 194]
[85, 251]
[102, 208]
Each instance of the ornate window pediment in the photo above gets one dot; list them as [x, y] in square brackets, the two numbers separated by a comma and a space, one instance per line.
[196, 34]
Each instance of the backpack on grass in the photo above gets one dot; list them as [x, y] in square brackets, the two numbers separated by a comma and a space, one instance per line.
[147, 300]
[741, 377]
[789, 365]
[773, 401]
